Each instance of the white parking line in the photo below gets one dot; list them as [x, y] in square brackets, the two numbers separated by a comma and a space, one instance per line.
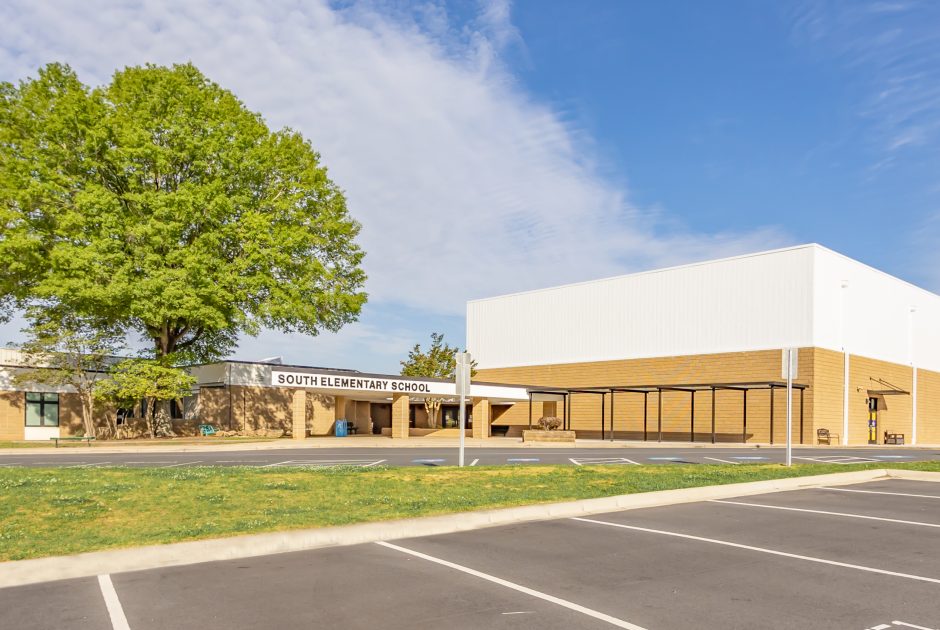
[723, 461]
[182, 464]
[88, 464]
[168, 461]
[773, 552]
[844, 514]
[910, 625]
[620, 623]
[276, 464]
[897, 494]
[375, 463]
[838, 459]
[581, 461]
[474, 463]
[115, 611]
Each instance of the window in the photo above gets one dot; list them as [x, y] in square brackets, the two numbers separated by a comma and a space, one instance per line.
[42, 410]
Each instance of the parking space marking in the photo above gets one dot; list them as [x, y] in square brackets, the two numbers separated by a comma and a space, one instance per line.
[753, 457]
[665, 459]
[167, 461]
[582, 461]
[886, 626]
[111, 601]
[614, 621]
[88, 464]
[723, 461]
[838, 459]
[182, 464]
[898, 494]
[523, 459]
[827, 513]
[427, 461]
[474, 463]
[773, 552]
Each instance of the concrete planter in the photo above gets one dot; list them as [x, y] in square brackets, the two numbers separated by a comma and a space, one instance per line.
[534, 435]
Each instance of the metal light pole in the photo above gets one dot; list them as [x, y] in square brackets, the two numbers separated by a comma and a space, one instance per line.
[462, 381]
[790, 374]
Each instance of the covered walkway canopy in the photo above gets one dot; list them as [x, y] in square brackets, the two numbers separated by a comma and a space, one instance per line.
[564, 395]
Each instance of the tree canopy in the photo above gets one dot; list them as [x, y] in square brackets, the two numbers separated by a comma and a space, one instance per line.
[160, 204]
[439, 361]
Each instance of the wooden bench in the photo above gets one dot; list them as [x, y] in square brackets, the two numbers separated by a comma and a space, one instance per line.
[894, 438]
[77, 438]
[823, 436]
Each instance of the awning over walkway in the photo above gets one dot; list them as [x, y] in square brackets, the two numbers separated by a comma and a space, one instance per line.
[564, 395]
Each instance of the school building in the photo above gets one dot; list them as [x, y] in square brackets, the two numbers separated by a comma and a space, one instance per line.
[695, 352]
[689, 353]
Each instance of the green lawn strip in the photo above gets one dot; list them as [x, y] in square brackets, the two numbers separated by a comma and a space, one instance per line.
[58, 511]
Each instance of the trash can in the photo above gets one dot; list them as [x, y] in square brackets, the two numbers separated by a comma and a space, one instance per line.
[342, 428]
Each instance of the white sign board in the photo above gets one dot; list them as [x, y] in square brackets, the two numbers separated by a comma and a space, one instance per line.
[351, 382]
[462, 374]
[794, 363]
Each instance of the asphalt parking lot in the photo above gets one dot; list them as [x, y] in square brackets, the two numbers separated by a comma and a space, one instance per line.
[477, 456]
[865, 556]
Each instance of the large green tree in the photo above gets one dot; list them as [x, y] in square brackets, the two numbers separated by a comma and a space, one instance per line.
[438, 361]
[159, 203]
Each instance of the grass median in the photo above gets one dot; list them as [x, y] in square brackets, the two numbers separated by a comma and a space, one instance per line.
[59, 511]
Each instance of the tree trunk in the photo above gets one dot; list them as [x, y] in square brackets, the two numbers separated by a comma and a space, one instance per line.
[88, 411]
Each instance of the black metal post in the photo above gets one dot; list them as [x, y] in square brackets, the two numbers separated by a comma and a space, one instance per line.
[659, 411]
[530, 410]
[744, 428]
[801, 416]
[603, 413]
[564, 412]
[692, 419]
[713, 415]
[612, 394]
[771, 414]
[646, 397]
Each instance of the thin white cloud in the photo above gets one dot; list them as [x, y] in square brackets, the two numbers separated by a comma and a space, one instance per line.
[465, 184]
[893, 50]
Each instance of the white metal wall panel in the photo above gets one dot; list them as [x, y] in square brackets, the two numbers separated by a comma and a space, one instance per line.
[751, 302]
[876, 319]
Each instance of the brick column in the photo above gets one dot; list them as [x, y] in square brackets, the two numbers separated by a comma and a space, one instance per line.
[400, 413]
[481, 418]
[299, 414]
[339, 408]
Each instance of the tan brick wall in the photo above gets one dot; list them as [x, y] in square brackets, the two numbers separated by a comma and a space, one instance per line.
[628, 421]
[928, 407]
[821, 370]
[12, 415]
[400, 404]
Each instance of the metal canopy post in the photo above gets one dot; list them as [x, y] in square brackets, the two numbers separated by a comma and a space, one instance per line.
[692, 419]
[530, 410]
[771, 414]
[659, 411]
[713, 415]
[744, 424]
[564, 412]
[612, 394]
[646, 397]
[603, 413]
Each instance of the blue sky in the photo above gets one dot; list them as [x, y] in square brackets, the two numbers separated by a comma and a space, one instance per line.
[490, 147]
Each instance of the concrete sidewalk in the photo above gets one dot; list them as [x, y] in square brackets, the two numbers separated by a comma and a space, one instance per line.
[369, 441]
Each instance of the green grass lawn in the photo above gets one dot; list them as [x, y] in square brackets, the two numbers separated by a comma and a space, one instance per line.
[57, 511]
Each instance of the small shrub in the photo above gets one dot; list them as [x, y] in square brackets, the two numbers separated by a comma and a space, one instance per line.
[549, 423]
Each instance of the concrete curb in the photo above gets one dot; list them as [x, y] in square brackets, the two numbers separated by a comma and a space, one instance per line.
[23, 572]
